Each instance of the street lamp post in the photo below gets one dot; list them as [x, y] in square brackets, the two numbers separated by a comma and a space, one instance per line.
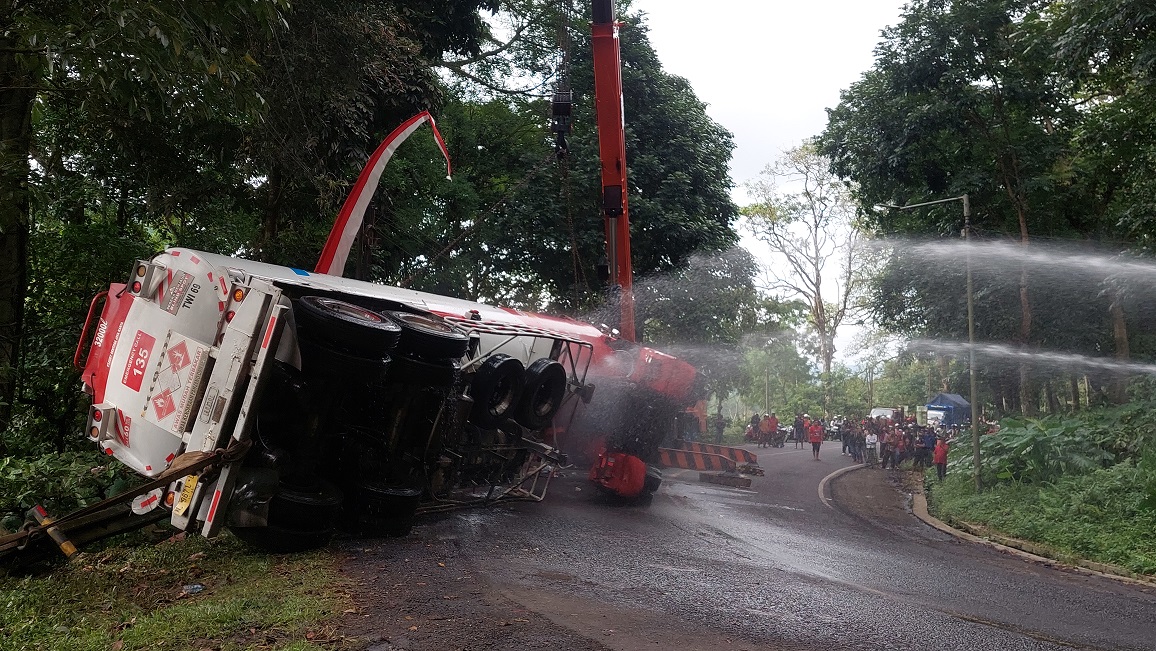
[970, 326]
[971, 346]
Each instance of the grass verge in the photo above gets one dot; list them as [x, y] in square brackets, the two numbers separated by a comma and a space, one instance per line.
[126, 598]
[1097, 516]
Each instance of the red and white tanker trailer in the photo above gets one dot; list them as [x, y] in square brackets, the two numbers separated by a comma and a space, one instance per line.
[332, 401]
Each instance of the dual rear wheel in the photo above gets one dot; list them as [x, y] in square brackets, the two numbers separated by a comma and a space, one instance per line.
[504, 389]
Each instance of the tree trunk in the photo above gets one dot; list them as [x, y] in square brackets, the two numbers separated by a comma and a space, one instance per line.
[1119, 386]
[1052, 400]
[942, 365]
[1029, 391]
[828, 353]
[1075, 384]
[15, 145]
[1011, 392]
[271, 220]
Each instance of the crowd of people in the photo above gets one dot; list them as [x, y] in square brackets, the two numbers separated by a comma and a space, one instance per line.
[881, 442]
[886, 443]
[765, 431]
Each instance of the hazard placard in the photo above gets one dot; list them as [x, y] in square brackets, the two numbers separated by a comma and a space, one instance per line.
[163, 405]
[177, 382]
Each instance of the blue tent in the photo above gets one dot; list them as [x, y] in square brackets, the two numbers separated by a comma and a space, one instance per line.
[955, 409]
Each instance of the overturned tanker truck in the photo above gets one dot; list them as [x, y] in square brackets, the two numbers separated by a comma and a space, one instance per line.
[285, 404]
[325, 400]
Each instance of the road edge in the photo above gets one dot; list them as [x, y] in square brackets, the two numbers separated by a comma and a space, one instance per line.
[827, 480]
[1006, 544]
[1019, 548]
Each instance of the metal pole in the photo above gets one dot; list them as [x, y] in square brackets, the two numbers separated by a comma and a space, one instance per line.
[970, 325]
[971, 345]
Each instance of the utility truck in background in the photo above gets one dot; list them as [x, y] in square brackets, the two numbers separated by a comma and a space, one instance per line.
[285, 404]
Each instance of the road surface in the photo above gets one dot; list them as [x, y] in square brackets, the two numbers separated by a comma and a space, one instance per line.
[710, 567]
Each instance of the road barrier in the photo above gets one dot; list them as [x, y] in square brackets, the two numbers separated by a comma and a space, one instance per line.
[692, 460]
[738, 455]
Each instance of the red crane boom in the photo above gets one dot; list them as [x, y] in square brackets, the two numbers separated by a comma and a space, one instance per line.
[612, 153]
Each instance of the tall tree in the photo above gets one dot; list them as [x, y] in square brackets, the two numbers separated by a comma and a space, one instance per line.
[965, 97]
[1108, 50]
[806, 215]
[336, 79]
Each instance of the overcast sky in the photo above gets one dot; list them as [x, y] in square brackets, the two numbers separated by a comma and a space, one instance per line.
[767, 69]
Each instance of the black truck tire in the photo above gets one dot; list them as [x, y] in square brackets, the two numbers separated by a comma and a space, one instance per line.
[429, 336]
[542, 395]
[300, 519]
[303, 509]
[343, 325]
[496, 389]
[387, 511]
[653, 479]
[279, 540]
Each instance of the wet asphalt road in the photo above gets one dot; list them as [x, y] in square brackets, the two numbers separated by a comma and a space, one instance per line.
[773, 568]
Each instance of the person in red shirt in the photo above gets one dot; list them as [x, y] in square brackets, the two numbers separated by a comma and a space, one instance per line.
[815, 436]
[939, 457]
[899, 449]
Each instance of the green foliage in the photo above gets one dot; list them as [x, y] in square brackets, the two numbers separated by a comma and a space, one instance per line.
[61, 482]
[70, 263]
[132, 598]
[1035, 450]
[132, 54]
[912, 381]
[779, 378]
[517, 227]
[1098, 515]
[712, 301]
[1083, 485]
[1045, 449]
[1109, 49]
[1041, 113]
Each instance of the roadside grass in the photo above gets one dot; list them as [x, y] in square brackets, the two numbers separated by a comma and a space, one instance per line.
[1099, 515]
[135, 597]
